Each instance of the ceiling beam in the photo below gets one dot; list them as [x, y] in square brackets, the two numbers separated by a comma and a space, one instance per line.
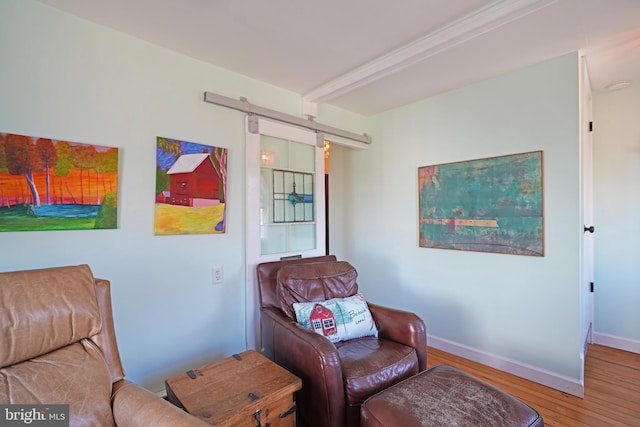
[490, 17]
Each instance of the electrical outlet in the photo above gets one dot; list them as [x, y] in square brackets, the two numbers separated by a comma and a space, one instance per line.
[218, 275]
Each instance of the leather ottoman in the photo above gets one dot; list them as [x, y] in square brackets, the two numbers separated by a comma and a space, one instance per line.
[446, 396]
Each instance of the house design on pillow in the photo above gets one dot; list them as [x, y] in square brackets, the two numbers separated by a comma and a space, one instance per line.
[323, 321]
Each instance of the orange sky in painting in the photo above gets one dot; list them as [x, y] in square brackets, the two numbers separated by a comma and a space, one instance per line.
[70, 189]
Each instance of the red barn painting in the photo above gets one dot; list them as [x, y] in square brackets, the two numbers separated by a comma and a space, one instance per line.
[191, 188]
[193, 177]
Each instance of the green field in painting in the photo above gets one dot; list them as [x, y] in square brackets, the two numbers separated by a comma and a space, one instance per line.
[172, 219]
[17, 219]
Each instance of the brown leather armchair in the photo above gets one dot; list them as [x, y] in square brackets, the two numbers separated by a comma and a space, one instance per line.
[336, 378]
[58, 346]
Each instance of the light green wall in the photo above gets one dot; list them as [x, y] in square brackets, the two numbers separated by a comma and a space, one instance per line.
[522, 308]
[65, 78]
[616, 175]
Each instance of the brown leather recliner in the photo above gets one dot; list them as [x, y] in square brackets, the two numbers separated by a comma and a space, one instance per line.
[336, 378]
[58, 346]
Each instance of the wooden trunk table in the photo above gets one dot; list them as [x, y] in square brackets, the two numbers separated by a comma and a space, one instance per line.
[246, 389]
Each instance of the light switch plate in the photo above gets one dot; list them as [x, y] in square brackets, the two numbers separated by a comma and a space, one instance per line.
[218, 275]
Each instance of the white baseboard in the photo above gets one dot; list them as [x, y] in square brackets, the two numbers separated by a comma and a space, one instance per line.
[620, 343]
[541, 376]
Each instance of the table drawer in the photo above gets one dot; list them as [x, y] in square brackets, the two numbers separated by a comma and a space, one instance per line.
[280, 413]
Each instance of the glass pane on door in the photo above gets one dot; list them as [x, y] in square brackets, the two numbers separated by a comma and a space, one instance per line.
[287, 198]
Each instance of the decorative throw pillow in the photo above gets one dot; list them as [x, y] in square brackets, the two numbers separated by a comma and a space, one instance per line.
[338, 319]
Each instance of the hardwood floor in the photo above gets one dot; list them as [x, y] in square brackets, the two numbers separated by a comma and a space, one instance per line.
[612, 389]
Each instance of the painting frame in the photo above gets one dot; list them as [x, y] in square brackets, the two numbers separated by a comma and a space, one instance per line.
[49, 184]
[191, 188]
[493, 204]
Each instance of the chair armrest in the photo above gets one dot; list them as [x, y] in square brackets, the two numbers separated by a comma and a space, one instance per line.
[135, 406]
[311, 357]
[403, 327]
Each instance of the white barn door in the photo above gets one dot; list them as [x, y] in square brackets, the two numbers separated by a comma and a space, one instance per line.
[285, 202]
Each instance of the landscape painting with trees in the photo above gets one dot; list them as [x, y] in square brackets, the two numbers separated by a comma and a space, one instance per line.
[48, 184]
[191, 188]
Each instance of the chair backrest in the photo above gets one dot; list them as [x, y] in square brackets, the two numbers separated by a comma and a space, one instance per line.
[267, 277]
[47, 309]
[57, 342]
[313, 282]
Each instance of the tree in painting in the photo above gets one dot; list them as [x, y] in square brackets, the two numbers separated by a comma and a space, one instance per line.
[63, 166]
[21, 159]
[219, 160]
[46, 152]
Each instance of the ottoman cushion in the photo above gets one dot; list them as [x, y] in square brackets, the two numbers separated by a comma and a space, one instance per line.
[446, 396]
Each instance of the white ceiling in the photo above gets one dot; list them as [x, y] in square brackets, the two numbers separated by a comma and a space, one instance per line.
[368, 56]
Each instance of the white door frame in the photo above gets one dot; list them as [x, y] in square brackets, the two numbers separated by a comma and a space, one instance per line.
[586, 190]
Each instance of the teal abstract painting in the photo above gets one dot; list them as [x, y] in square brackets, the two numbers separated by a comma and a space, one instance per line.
[487, 205]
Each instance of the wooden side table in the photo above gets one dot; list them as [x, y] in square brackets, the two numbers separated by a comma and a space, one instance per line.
[246, 389]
